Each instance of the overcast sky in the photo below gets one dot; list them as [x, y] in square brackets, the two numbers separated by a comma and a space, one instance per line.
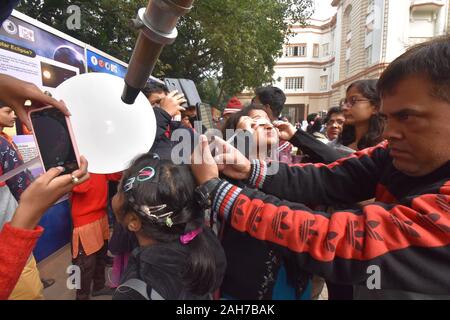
[324, 10]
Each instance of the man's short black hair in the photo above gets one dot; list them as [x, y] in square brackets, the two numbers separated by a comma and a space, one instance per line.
[311, 117]
[154, 87]
[272, 96]
[331, 111]
[430, 59]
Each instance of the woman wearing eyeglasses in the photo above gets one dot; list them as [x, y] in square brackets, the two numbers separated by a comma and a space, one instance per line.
[362, 129]
[363, 123]
[254, 271]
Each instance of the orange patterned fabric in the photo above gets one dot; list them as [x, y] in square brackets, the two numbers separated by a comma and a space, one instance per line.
[92, 236]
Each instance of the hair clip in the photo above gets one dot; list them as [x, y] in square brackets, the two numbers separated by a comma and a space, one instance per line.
[188, 237]
[129, 184]
[145, 174]
[149, 212]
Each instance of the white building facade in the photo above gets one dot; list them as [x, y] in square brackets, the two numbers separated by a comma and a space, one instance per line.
[321, 59]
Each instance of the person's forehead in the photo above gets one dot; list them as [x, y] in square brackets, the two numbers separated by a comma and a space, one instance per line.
[413, 92]
[337, 115]
[258, 114]
[353, 91]
[157, 95]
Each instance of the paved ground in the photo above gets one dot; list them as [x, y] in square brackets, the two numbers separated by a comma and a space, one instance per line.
[55, 267]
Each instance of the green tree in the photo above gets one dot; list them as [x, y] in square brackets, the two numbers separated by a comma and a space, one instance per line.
[105, 24]
[232, 44]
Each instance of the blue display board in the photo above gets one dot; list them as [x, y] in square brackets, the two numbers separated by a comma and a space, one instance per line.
[57, 223]
[39, 54]
[99, 63]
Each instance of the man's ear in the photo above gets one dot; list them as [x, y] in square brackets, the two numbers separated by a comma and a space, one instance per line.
[132, 222]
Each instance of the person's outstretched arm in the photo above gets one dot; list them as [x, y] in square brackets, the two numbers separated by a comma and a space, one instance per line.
[408, 242]
[14, 93]
[18, 237]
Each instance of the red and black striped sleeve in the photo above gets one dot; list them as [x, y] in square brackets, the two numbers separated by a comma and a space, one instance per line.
[348, 180]
[409, 241]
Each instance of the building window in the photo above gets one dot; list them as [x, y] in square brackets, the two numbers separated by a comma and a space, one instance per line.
[369, 27]
[368, 55]
[323, 83]
[325, 49]
[370, 6]
[347, 67]
[296, 51]
[316, 50]
[294, 83]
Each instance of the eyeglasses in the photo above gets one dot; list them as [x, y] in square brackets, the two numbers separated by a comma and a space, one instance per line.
[262, 122]
[353, 101]
[339, 122]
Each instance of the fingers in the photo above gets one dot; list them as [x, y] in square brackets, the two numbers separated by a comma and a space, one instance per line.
[51, 174]
[21, 113]
[37, 96]
[280, 124]
[83, 171]
[175, 94]
[64, 183]
[205, 150]
[206, 153]
[172, 94]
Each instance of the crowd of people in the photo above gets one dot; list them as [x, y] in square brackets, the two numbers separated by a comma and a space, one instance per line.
[270, 212]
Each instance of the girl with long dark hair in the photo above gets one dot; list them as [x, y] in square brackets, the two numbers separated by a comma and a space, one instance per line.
[178, 256]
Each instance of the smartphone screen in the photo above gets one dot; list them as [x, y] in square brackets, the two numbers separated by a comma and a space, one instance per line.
[53, 138]
[190, 92]
[204, 115]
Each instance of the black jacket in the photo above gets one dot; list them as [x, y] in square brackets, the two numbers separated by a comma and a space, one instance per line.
[161, 267]
[405, 232]
[163, 144]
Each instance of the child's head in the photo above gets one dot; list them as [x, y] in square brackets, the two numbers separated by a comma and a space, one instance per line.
[155, 200]
[7, 116]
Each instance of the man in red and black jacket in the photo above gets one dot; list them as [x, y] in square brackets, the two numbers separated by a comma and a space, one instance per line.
[397, 247]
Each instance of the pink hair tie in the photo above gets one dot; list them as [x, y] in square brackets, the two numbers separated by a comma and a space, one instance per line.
[188, 237]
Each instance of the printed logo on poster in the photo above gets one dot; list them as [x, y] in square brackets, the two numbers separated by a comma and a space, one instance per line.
[26, 33]
[94, 60]
[10, 27]
[104, 64]
[98, 63]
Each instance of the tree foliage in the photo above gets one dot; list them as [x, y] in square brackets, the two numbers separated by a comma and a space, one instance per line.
[229, 43]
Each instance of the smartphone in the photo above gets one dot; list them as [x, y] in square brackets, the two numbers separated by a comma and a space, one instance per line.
[174, 84]
[54, 139]
[190, 92]
[204, 115]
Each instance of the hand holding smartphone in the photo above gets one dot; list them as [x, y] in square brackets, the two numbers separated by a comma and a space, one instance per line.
[54, 139]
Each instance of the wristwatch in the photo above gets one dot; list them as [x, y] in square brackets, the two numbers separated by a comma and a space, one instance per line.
[203, 193]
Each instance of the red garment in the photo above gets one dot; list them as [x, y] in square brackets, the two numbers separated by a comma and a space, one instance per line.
[15, 249]
[89, 199]
[405, 232]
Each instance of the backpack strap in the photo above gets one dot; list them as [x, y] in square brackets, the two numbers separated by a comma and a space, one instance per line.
[137, 285]
[141, 287]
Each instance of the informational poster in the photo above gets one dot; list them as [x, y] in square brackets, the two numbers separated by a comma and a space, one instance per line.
[38, 56]
[28, 150]
[99, 63]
